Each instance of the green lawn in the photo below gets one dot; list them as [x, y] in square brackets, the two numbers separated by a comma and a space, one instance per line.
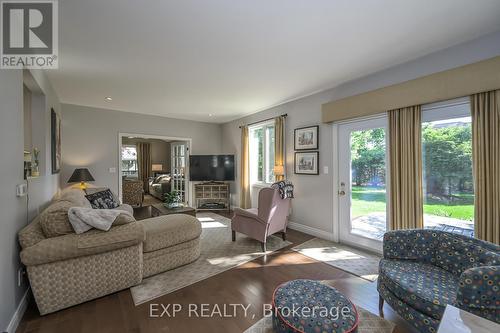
[367, 200]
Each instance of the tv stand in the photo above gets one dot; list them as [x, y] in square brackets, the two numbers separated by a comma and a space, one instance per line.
[212, 196]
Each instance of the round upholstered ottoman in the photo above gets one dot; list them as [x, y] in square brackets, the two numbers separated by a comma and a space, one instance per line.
[312, 307]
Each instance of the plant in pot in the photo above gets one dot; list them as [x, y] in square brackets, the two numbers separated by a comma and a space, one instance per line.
[173, 199]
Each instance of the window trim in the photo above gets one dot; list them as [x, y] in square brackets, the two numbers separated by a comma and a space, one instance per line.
[262, 124]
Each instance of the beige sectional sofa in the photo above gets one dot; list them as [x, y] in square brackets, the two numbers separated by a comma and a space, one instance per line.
[66, 269]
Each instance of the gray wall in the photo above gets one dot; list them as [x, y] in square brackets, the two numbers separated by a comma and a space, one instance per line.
[90, 138]
[312, 206]
[14, 211]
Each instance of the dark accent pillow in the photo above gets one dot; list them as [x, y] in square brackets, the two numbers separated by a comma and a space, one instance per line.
[102, 200]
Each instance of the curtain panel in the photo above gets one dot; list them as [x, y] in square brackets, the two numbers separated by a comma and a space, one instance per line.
[485, 111]
[279, 148]
[406, 204]
[144, 163]
[245, 199]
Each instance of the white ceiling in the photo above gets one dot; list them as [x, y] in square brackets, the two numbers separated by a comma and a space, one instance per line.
[188, 59]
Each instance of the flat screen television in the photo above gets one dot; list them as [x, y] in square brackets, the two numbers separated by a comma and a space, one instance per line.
[211, 167]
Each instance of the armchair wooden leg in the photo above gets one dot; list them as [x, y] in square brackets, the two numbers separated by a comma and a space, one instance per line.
[263, 245]
[234, 235]
[380, 306]
[283, 235]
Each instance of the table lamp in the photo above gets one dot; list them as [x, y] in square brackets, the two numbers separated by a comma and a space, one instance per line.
[81, 175]
[157, 167]
[279, 172]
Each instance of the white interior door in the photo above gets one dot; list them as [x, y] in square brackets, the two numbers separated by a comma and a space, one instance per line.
[363, 175]
[180, 169]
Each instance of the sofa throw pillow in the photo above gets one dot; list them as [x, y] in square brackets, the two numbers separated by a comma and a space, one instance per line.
[102, 200]
[54, 219]
[92, 190]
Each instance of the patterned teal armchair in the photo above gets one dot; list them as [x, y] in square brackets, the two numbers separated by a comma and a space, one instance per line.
[424, 270]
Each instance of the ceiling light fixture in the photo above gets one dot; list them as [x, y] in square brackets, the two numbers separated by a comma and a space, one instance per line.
[210, 115]
[108, 98]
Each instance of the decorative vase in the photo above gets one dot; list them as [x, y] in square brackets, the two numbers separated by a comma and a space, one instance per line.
[34, 171]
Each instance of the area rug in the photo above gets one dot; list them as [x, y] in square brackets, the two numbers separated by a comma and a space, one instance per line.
[218, 254]
[368, 323]
[349, 259]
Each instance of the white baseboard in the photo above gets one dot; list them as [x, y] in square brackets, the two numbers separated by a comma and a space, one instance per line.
[311, 231]
[18, 315]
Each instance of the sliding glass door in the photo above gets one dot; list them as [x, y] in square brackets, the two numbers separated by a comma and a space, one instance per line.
[362, 182]
[448, 202]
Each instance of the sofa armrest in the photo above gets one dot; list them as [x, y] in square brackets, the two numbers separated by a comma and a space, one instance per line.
[248, 214]
[89, 243]
[412, 244]
[478, 289]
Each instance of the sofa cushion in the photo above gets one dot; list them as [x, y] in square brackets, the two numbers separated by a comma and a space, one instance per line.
[456, 255]
[88, 243]
[425, 287]
[54, 219]
[169, 230]
[31, 234]
[126, 208]
[73, 195]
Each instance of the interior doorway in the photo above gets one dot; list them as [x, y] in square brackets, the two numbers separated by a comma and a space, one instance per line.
[152, 168]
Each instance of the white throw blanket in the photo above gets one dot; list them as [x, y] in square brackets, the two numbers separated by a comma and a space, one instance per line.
[83, 219]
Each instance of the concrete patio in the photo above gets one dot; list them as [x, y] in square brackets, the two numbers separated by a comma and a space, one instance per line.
[374, 225]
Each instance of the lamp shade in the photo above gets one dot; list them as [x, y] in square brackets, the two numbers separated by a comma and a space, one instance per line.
[157, 167]
[81, 175]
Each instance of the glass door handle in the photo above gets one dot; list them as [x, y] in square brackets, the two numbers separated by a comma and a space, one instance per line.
[342, 189]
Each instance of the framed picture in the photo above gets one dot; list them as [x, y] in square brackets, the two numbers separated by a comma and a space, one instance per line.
[55, 137]
[306, 138]
[306, 163]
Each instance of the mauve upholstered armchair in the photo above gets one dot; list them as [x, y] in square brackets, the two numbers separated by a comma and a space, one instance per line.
[259, 223]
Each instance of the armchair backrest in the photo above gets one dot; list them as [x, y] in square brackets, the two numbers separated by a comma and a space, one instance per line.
[452, 252]
[273, 209]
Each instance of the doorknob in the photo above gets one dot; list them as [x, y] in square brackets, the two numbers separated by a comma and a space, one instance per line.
[342, 189]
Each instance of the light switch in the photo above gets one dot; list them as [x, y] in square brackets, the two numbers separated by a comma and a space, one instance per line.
[325, 170]
[112, 170]
[21, 190]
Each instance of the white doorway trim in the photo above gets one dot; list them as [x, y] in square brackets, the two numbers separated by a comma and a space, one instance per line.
[121, 135]
[336, 180]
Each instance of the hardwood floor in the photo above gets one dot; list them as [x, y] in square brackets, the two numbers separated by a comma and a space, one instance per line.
[251, 283]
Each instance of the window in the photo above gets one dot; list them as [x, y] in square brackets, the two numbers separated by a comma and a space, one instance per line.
[261, 141]
[447, 167]
[129, 161]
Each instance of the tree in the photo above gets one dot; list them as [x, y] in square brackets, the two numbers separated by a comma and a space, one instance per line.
[447, 159]
[368, 157]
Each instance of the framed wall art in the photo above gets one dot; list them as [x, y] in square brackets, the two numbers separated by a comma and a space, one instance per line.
[306, 163]
[306, 138]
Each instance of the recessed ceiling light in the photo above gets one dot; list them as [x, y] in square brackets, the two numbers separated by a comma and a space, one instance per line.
[210, 115]
[108, 98]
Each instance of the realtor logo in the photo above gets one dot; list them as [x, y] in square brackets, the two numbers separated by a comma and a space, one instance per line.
[29, 34]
